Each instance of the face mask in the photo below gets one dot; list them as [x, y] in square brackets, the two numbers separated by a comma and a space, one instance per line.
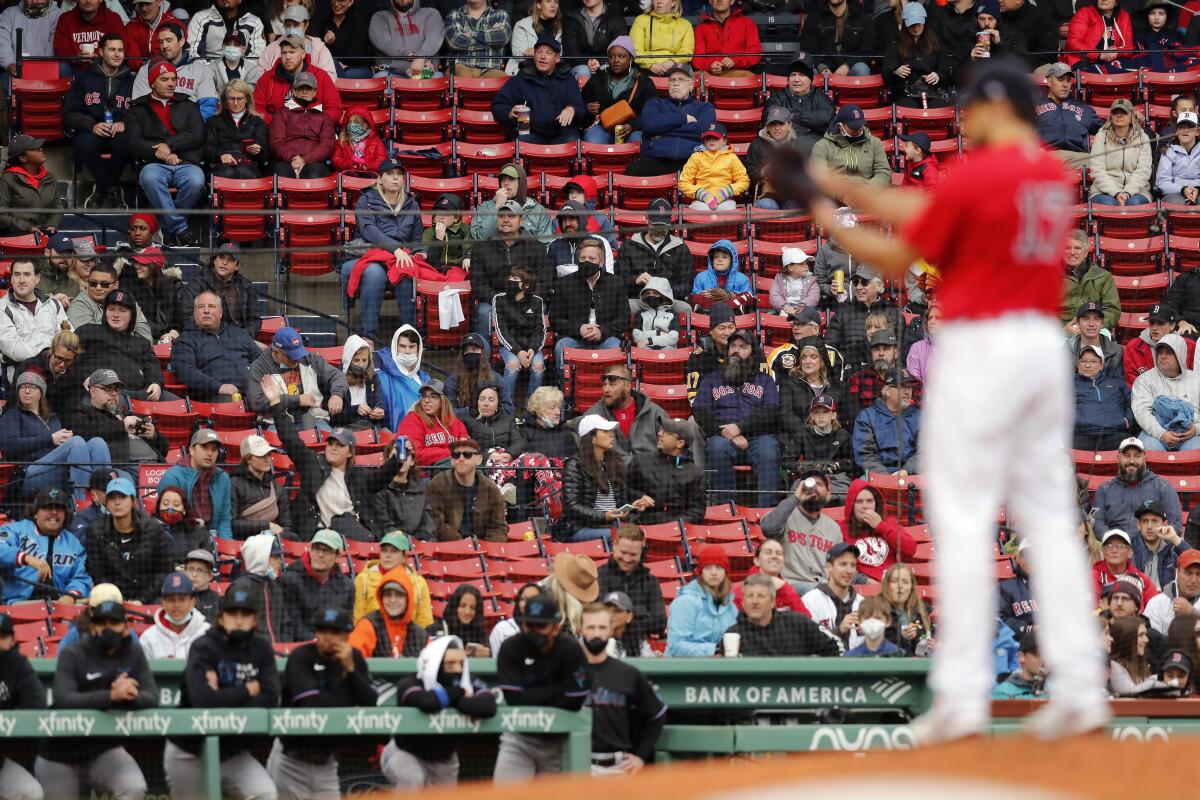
[358, 370]
[300, 101]
[293, 31]
[231, 53]
[272, 574]
[590, 269]
[472, 360]
[449, 679]
[109, 640]
[357, 131]
[33, 12]
[1173, 683]
[655, 302]
[537, 641]
[547, 422]
[812, 505]
[180, 621]
[171, 516]
[511, 289]
[873, 628]
[239, 637]
[409, 360]
[595, 646]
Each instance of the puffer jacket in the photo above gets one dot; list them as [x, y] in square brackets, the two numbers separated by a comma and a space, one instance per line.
[656, 36]
[130, 355]
[878, 547]
[380, 225]
[1096, 286]
[1177, 168]
[305, 132]
[1153, 384]
[658, 326]
[35, 194]
[546, 96]
[1086, 31]
[670, 259]
[24, 436]
[734, 282]
[1120, 166]
[23, 334]
[812, 115]
[737, 34]
[863, 158]
[579, 497]
[696, 623]
[718, 173]
[1101, 406]
[667, 133]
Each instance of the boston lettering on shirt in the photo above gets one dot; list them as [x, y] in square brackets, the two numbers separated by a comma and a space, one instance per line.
[1019, 194]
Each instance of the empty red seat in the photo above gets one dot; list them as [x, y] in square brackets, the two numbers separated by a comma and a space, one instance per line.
[1185, 253]
[477, 93]
[1124, 222]
[663, 367]
[1140, 292]
[173, 418]
[421, 161]
[786, 226]
[429, 126]
[709, 226]
[672, 399]
[478, 126]
[234, 200]
[420, 94]
[485, 159]
[741, 125]
[733, 93]
[428, 319]
[866, 90]
[369, 92]
[1132, 256]
[309, 242]
[601, 159]
[556, 159]
[230, 416]
[426, 190]
[938, 123]
[1182, 220]
[633, 192]
[37, 107]
[1102, 90]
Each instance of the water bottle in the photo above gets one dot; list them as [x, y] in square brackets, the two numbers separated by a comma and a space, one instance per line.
[108, 120]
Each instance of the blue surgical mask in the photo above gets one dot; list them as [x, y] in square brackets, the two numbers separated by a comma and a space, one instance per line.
[231, 53]
[292, 30]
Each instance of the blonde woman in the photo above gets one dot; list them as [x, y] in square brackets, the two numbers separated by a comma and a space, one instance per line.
[662, 37]
[235, 138]
[1121, 160]
[910, 618]
[543, 428]
[545, 19]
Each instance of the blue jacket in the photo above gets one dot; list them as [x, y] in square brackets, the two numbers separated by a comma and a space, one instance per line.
[668, 134]
[1066, 125]
[398, 391]
[383, 227]
[754, 406]
[1018, 609]
[876, 446]
[1004, 651]
[1102, 405]
[546, 96]
[1177, 168]
[70, 560]
[696, 624]
[1015, 688]
[1116, 501]
[184, 477]
[23, 436]
[1166, 557]
[203, 361]
[735, 283]
[1173, 413]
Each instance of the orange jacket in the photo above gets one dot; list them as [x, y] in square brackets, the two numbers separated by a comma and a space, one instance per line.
[363, 639]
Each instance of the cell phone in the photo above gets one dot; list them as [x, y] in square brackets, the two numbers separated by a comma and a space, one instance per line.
[246, 145]
[627, 509]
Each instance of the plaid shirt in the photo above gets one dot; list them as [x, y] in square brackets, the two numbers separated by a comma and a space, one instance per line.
[478, 42]
[866, 386]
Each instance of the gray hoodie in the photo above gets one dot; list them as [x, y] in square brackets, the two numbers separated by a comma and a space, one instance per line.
[659, 325]
[805, 541]
[417, 33]
[1153, 384]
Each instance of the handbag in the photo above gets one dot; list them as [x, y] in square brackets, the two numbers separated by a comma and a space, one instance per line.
[618, 113]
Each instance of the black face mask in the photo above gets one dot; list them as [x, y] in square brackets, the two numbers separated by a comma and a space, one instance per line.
[239, 637]
[590, 269]
[595, 646]
[812, 505]
[358, 370]
[512, 289]
[472, 360]
[655, 302]
[449, 679]
[537, 641]
[109, 640]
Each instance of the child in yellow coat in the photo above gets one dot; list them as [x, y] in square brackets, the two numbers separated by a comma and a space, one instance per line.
[714, 175]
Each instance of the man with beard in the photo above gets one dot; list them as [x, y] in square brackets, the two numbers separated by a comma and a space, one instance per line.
[1133, 486]
[866, 385]
[639, 418]
[885, 433]
[105, 413]
[1181, 596]
[669, 477]
[563, 250]
[40, 549]
[805, 533]
[737, 408]
[847, 331]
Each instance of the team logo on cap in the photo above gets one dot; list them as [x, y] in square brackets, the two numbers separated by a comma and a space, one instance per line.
[331, 615]
[163, 69]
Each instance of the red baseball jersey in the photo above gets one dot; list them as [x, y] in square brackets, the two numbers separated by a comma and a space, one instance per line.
[994, 227]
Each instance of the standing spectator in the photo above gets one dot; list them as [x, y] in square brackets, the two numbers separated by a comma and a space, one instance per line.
[849, 147]
[542, 102]
[257, 503]
[1178, 598]
[714, 175]
[29, 317]
[519, 317]
[36, 20]
[312, 389]
[127, 547]
[723, 30]
[463, 501]
[274, 88]
[1178, 176]
[393, 552]
[704, 609]
[105, 412]
[671, 125]
[535, 219]
[213, 358]
[589, 310]
[623, 80]
[105, 671]
[295, 20]
[239, 298]
[301, 134]
[722, 282]
[40, 549]
[77, 31]
[1063, 123]
[195, 76]
[656, 252]
[177, 625]
[1103, 417]
[234, 63]
[1121, 159]
[114, 342]
[765, 630]
[230, 666]
[106, 88]
[205, 485]
[1098, 36]
[885, 433]
[810, 109]
[737, 409]
[664, 40]
[1158, 546]
[140, 40]
[879, 540]
[543, 19]
[834, 604]
[670, 477]
[207, 29]
[476, 37]
[844, 34]
[1163, 318]
[235, 138]
[410, 35]
[166, 136]
[1165, 399]
[341, 28]
[315, 581]
[27, 185]
[1087, 282]
[624, 572]
[23, 691]
[1133, 485]
[595, 28]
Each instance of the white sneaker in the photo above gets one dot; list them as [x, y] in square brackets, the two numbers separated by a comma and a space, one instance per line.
[940, 725]
[1059, 721]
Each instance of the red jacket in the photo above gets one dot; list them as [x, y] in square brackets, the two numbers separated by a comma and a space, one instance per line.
[432, 442]
[1086, 31]
[71, 32]
[298, 131]
[140, 43]
[877, 548]
[1139, 357]
[273, 91]
[1102, 576]
[373, 155]
[738, 34]
[786, 597]
[923, 173]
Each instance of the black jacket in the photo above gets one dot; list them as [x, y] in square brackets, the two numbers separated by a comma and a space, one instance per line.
[223, 136]
[160, 303]
[497, 431]
[140, 578]
[182, 538]
[20, 688]
[480, 704]
[599, 90]
[94, 92]
[795, 397]
[405, 507]
[847, 330]
[811, 114]
[131, 356]
[938, 61]
[671, 260]
[831, 452]
[1038, 28]
[350, 40]
[787, 634]
[144, 130]
[310, 681]
[62, 391]
[304, 596]
[649, 610]
[87, 421]
[574, 299]
[556, 444]
[492, 260]
[820, 34]
[520, 324]
[246, 490]
[1184, 294]
[678, 487]
[268, 599]
[313, 469]
[576, 45]
[579, 490]
[245, 315]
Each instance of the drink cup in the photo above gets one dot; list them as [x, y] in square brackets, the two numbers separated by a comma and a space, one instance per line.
[733, 644]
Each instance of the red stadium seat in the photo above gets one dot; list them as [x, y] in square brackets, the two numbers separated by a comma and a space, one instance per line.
[939, 123]
[28, 244]
[741, 125]
[733, 93]
[768, 255]
[662, 367]
[1102, 462]
[309, 242]
[307, 194]
[867, 91]
[1131, 325]
[420, 94]
[881, 122]
[786, 226]
[1124, 222]
[663, 541]
[1185, 253]
[426, 190]
[447, 551]
[672, 399]
[477, 93]
[1182, 220]
[428, 320]
[173, 418]
[478, 126]
[369, 92]
[351, 187]
[583, 369]
[733, 531]
[709, 226]
[1101, 90]
[555, 159]
[1168, 463]
[419, 161]
[1141, 292]
[1132, 256]
[636, 193]
[231, 416]
[628, 223]
[422, 127]
[36, 107]
[485, 159]
[1160, 87]
[776, 330]
[601, 159]
[232, 196]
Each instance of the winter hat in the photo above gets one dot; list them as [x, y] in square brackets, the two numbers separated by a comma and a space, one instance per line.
[623, 42]
[989, 7]
[712, 555]
[32, 377]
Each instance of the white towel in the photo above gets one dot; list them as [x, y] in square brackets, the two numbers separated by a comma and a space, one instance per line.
[450, 310]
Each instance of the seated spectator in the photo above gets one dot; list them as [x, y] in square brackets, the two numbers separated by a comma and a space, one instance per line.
[88, 306]
[768, 562]
[878, 446]
[807, 325]
[916, 66]
[1158, 546]
[364, 409]
[623, 642]
[595, 488]
[494, 429]
[722, 30]
[1003, 40]
[656, 322]
[663, 39]
[432, 426]
[591, 30]
[582, 191]
[589, 310]
[1103, 417]
[805, 533]
[809, 109]
[714, 175]
[1180, 104]
[1121, 159]
[447, 240]
[1178, 176]
[638, 416]
[563, 249]
[463, 617]
[874, 618]
[208, 28]
[541, 103]
[274, 88]
[106, 88]
[127, 547]
[1158, 40]
[543, 429]
[866, 385]
[514, 185]
[844, 34]
[847, 331]
[386, 218]
[1027, 682]
[622, 80]
[390, 631]
[722, 283]
[1099, 38]
[115, 342]
[704, 609]
[222, 276]
[737, 409]
[400, 374]
[1129, 672]
[235, 138]
[177, 624]
[185, 532]
[194, 76]
[544, 19]
[669, 477]
[301, 136]
[711, 351]
[1134, 484]
[656, 252]
[795, 288]
[39, 549]
[314, 390]
[849, 147]
[835, 603]
[36, 21]
[1165, 399]
[1162, 319]
[393, 553]
[410, 36]
[316, 581]
[27, 185]
[155, 286]
[29, 318]
[1178, 599]
[235, 64]
[1086, 282]
[671, 125]
[471, 371]
[261, 562]
[213, 357]
[295, 20]
[201, 566]
[358, 148]
[405, 504]
[776, 133]
[341, 27]
[463, 501]
[879, 539]
[256, 501]
[519, 317]
[78, 30]
[141, 43]
[920, 166]
[1115, 576]
[831, 259]
[477, 35]
[169, 156]
[1063, 123]
[910, 627]
[765, 630]
[624, 574]
[56, 365]
[821, 444]
[206, 485]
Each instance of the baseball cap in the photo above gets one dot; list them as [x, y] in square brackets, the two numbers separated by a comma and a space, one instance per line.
[805, 316]
[61, 243]
[595, 422]
[447, 202]
[104, 377]
[108, 611]
[177, 583]
[288, 340]
[342, 435]
[1131, 441]
[659, 212]
[509, 207]
[794, 255]
[913, 14]
[85, 248]
[816, 474]
[850, 114]
[255, 446]
[201, 555]
[719, 314]
[1090, 348]
[1058, 69]
[801, 66]
[387, 165]
[1150, 507]
[435, 386]
[838, 549]
[1116, 533]
[1089, 308]
[714, 131]
[510, 171]
[548, 41]
[400, 541]
[1187, 118]
[899, 380]
[778, 114]
[331, 539]
[1121, 104]
[332, 617]
[52, 496]
[571, 208]
[676, 427]
[120, 486]
[151, 255]
[238, 599]
[234, 36]
[102, 593]
[868, 273]
[292, 40]
[231, 249]
[823, 401]
[618, 600]
[883, 339]
[684, 68]
[540, 608]
[921, 140]
[20, 143]
[743, 334]
[1162, 312]
[100, 478]
[1188, 558]
[297, 13]
[1177, 659]
[304, 79]
[204, 436]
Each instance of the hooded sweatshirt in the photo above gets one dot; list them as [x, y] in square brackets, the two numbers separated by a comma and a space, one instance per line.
[733, 281]
[713, 174]
[365, 394]
[417, 33]
[1139, 356]
[1153, 384]
[432, 690]
[662, 35]
[400, 386]
[878, 547]
[379, 636]
[659, 326]
[366, 584]
[163, 642]
[259, 579]
[535, 219]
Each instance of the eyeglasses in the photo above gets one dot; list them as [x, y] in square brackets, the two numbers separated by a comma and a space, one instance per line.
[463, 455]
[100, 284]
[62, 359]
[234, 98]
[613, 379]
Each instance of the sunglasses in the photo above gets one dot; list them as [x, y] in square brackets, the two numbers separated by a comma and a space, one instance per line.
[100, 284]
[613, 379]
[463, 455]
[859, 281]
